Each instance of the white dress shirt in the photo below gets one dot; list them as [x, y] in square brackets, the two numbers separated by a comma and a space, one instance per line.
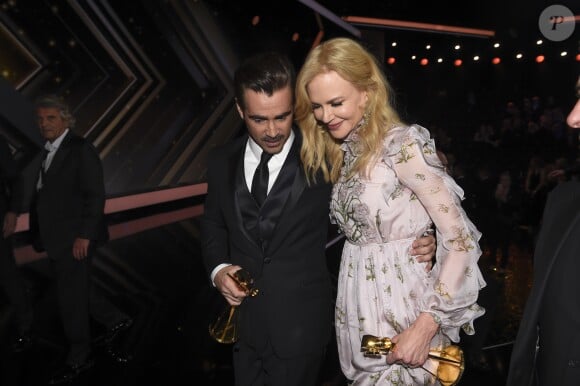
[51, 148]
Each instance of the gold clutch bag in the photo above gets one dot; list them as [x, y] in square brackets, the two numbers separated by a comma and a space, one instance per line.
[451, 362]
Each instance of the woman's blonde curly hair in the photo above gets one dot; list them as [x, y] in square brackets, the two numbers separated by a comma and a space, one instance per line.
[320, 151]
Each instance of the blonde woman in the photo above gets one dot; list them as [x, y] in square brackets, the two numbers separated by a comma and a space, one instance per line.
[389, 188]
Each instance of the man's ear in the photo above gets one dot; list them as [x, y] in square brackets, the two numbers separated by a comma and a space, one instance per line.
[240, 111]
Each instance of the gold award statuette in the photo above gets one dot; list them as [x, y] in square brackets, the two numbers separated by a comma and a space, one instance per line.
[450, 359]
[225, 328]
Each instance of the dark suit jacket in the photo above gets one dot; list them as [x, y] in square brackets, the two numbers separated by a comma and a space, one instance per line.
[560, 227]
[71, 201]
[294, 307]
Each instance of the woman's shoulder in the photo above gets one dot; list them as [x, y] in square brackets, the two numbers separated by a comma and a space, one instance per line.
[401, 135]
[408, 131]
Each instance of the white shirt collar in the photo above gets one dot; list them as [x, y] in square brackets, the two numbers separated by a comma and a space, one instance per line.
[51, 147]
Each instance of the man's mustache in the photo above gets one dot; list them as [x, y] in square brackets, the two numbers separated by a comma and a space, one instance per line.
[277, 138]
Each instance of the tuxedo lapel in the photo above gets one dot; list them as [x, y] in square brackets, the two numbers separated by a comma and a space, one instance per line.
[288, 187]
[285, 193]
[277, 200]
[242, 198]
[294, 170]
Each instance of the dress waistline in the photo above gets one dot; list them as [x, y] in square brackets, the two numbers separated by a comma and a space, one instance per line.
[386, 243]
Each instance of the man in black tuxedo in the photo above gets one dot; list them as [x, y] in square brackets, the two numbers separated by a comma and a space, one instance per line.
[10, 278]
[262, 215]
[66, 220]
[547, 347]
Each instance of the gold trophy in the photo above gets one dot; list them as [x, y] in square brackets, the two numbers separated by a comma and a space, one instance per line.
[225, 328]
[451, 361]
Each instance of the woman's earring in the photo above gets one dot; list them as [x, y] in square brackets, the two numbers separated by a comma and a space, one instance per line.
[365, 119]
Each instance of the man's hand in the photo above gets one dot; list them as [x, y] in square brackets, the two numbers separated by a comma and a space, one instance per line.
[424, 250]
[228, 287]
[9, 224]
[412, 345]
[81, 248]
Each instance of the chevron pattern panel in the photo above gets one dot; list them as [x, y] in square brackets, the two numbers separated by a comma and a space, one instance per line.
[149, 82]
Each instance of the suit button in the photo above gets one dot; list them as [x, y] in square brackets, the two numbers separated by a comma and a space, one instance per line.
[267, 260]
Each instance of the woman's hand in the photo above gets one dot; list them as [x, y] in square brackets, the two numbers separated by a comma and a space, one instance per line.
[412, 345]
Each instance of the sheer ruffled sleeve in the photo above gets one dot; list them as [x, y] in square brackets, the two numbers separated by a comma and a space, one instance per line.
[452, 296]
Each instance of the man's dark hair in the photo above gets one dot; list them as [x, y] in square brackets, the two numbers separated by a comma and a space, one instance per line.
[264, 73]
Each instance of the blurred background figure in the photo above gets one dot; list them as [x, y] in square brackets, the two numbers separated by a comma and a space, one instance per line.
[10, 279]
[66, 220]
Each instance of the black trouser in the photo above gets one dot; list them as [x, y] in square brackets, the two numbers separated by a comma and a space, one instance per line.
[12, 283]
[77, 301]
[265, 368]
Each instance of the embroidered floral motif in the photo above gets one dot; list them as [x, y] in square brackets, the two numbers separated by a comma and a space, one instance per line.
[388, 290]
[393, 322]
[463, 241]
[348, 211]
[384, 269]
[468, 328]
[370, 268]
[420, 176]
[428, 148]
[436, 318]
[376, 377]
[398, 192]
[405, 154]
[350, 270]
[443, 208]
[434, 189]
[441, 289]
[399, 272]
[395, 377]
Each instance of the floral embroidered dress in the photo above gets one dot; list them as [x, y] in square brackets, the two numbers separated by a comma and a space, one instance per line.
[381, 287]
